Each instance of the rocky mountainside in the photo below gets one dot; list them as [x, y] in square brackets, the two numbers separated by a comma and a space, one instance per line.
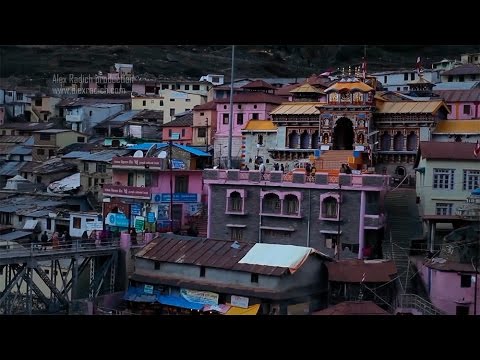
[40, 62]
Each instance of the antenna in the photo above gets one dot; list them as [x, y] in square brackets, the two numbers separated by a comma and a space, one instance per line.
[162, 155]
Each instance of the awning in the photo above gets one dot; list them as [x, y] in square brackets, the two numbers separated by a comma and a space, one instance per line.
[178, 301]
[138, 295]
[421, 170]
[30, 225]
[251, 310]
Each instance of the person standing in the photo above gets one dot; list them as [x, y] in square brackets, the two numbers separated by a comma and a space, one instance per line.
[282, 168]
[44, 239]
[262, 170]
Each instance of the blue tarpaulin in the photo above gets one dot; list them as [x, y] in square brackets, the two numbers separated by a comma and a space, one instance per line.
[179, 301]
[137, 294]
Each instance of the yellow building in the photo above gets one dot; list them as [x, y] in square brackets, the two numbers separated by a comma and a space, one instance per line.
[48, 142]
[170, 101]
[42, 108]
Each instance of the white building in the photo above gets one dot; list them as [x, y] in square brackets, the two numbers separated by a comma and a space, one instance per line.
[398, 80]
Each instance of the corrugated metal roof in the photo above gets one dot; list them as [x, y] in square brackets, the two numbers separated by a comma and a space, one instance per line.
[466, 85]
[125, 116]
[258, 84]
[30, 224]
[206, 252]
[306, 88]
[75, 154]
[66, 184]
[447, 150]
[146, 146]
[460, 95]
[457, 127]
[265, 125]
[465, 69]
[39, 213]
[411, 107]
[352, 271]
[14, 235]
[104, 156]
[192, 150]
[275, 255]
[13, 139]
[11, 168]
[298, 108]
[21, 150]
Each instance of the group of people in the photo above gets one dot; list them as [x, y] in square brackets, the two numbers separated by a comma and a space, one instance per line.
[56, 239]
[345, 169]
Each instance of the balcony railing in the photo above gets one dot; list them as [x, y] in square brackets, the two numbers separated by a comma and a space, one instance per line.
[320, 178]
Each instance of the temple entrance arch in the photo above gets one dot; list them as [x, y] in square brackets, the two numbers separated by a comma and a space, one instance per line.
[343, 134]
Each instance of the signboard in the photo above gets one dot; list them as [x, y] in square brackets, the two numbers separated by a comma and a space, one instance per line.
[359, 148]
[136, 209]
[151, 217]
[163, 212]
[239, 301]
[175, 136]
[113, 190]
[178, 164]
[94, 225]
[139, 223]
[117, 219]
[325, 147]
[133, 161]
[177, 197]
[201, 297]
[148, 289]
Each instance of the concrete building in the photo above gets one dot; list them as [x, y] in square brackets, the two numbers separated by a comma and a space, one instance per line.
[204, 124]
[48, 142]
[281, 279]
[466, 72]
[399, 80]
[298, 210]
[180, 129]
[457, 130]
[462, 104]
[257, 137]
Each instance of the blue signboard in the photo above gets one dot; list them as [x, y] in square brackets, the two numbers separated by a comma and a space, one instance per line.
[163, 212]
[180, 197]
[178, 164]
[117, 219]
[150, 217]
[317, 153]
[136, 209]
[356, 154]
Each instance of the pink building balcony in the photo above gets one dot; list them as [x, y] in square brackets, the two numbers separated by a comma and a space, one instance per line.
[350, 181]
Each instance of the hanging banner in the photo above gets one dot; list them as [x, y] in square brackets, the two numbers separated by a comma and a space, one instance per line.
[201, 297]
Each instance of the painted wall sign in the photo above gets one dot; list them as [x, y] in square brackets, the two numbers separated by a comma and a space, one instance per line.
[239, 301]
[201, 297]
[126, 191]
[177, 197]
[131, 161]
[116, 219]
[94, 225]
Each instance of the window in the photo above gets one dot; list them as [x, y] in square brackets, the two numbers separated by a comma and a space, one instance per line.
[181, 184]
[195, 87]
[255, 106]
[466, 109]
[237, 234]
[101, 168]
[187, 87]
[235, 202]
[19, 96]
[148, 179]
[156, 265]
[202, 114]
[49, 224]
[144, 102]
[40, 152]
[170, 133]
[330, 208]
[443, 208]
[77, 222]
[183, 132]
[239, 119]
[398, 88]
[461, 78]
[331, 241]
[39, 179]
[202, 271]
[215, 79]
[290, 206]
[172, 86]
[20, 218]
[443, 178]
[405, 76]
[385, 79]
[255, 116]
[95, 182]
[202, 132]
[239, 106]
[412, 141]
[471, 179]
[131, 179]
[271, 204]
[405, 88]
[225, 118]
[172, 112]
[85, 167]
[412, 76]
[89, 182]
[45, 137]
[450, 78]
[38, 102]
[80, 139]
[254, 278]
[177, 86]
[51, 153]
[161, 102]
[172, 99]
[188, 100]
[465, 281]
[164, 86]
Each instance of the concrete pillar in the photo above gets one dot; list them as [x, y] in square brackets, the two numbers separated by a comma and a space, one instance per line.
[361, 226]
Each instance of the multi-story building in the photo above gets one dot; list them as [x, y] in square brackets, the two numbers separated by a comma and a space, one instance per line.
[462, 104]
[399, 80]
[466, 72]
[337, 215]
[42, 108]
[204, 124]
[180, 129]
[48, 142]
[457, 130]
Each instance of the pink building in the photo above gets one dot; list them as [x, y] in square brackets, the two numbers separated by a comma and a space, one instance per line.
[180, 129]
[142, 183]
[463, 104]
[246, 106]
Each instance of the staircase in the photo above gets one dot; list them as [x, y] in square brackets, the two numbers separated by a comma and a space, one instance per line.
[202, 223]
[403, 224]
[333, 159]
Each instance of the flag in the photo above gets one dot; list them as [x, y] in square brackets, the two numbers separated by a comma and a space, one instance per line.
[476, 151]
[364, 68]
[363, 278]
[419, 66]
[370, 153]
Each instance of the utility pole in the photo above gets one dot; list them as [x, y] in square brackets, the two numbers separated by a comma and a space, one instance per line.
[230, 116]
[206, 139]
[339, 217]
[171, 185]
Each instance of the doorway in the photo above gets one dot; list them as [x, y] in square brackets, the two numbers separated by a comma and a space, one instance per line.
[343, 134]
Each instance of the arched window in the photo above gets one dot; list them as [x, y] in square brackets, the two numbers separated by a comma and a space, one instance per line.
[271, 204]
[235, 202]
[304, 140]
[400, 171]
[385, 142]
[330, 208]
[412, 141]
[290, 205]
[398, 141]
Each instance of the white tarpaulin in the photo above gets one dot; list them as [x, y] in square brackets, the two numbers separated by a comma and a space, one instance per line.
[68, 183]
[30, 224]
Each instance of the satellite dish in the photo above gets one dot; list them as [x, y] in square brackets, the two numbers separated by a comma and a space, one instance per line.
[162, 155]
[138, 153]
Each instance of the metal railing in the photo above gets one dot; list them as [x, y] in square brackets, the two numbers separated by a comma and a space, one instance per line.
[415, 302]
